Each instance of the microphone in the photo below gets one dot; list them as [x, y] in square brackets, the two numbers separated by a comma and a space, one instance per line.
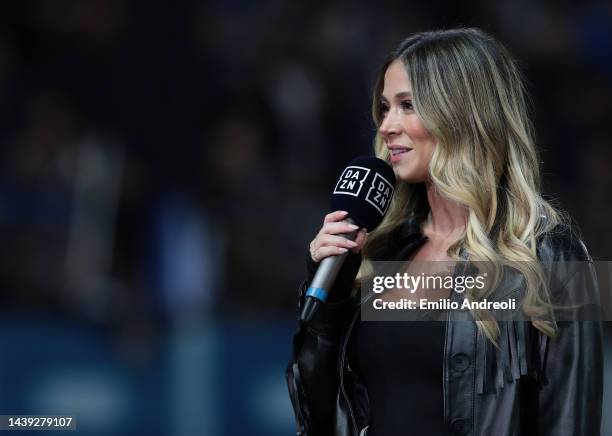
[364, 189]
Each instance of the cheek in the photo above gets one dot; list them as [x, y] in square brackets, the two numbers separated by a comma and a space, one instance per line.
[428, 149]
[424, 147]
[421, 138]
[417, 131]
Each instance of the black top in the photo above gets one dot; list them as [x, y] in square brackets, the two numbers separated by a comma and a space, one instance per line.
[400, 363]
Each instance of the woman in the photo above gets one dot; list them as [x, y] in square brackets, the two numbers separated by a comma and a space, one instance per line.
[452, 121]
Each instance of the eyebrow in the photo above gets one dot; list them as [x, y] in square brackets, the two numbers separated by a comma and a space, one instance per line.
[398, 96]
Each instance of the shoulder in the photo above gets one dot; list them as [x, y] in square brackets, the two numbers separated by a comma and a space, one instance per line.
[570, 273]
[562, 243]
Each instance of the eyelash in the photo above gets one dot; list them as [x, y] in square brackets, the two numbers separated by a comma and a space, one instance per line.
[406, 105]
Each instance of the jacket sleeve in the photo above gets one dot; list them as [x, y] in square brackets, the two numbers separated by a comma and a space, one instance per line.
[570, 401]
[312, 373]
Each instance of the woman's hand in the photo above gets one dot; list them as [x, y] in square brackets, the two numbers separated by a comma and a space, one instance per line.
[329, 243]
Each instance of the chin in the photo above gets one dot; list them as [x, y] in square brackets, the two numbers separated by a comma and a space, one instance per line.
[409, 176]
[412, 179]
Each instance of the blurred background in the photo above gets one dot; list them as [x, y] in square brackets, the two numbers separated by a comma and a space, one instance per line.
[164, 165]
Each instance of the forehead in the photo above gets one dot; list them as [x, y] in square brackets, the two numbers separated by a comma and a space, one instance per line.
[396, 79]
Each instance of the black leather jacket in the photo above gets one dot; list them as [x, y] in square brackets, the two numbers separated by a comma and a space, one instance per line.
[529, 385]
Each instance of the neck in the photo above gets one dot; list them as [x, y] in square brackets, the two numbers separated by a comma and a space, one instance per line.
[448, 218]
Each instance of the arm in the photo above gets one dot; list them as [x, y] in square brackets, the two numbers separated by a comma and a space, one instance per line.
[312, 373]
[571, 400]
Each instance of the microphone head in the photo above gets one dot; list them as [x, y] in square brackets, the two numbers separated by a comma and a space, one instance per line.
[365, 189]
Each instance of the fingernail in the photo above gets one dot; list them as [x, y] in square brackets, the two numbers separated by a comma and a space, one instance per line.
[343, 250]
[343, 212]
[352, 243]
[353, 227]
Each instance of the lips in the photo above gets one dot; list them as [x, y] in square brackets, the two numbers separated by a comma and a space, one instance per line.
[397, 151]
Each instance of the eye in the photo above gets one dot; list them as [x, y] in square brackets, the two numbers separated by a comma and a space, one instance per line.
[383, 108]
[407, 105]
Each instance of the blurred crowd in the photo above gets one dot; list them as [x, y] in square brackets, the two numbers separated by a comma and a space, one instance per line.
[165, 164]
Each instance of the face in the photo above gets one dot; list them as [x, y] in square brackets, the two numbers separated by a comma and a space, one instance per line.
[410, 144]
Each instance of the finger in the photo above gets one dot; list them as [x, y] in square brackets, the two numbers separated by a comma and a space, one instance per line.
[335, 216]
[359, 240]
[323, 252]
[334, 228]
[333, 240]
[361, 237]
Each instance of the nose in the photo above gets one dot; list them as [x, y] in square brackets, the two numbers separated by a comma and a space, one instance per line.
[389, 125]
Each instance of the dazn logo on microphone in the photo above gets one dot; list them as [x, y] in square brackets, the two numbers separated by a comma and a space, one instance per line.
[380, 193]
[351, 180]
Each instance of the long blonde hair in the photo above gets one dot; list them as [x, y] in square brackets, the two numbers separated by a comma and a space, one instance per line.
[469, 94]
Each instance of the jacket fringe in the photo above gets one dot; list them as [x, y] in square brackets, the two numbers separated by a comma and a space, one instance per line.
[521, 352]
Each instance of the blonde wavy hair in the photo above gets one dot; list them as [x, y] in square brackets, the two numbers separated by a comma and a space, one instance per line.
[469, 94]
